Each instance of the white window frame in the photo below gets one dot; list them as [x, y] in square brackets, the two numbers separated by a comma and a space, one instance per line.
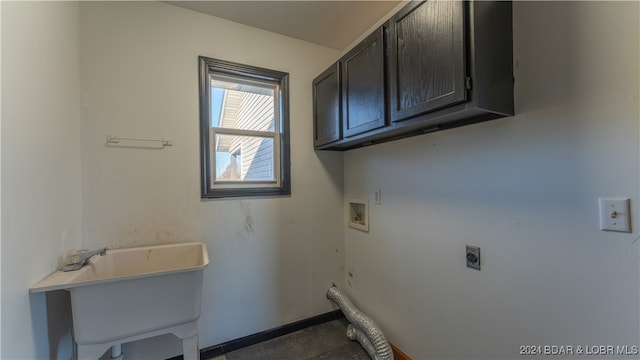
[246, 183]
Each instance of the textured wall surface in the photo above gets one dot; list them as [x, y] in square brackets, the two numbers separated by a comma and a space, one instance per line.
[525, 189]
[41, 176]
[272, 259]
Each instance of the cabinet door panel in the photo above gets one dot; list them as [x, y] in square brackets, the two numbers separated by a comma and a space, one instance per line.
[326, 106]
[427, 58]
[363, 86]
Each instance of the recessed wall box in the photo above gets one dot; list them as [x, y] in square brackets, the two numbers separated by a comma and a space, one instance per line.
[358, 214]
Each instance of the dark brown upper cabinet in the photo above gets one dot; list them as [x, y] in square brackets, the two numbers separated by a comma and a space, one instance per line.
[326, 107]
[426, 58]
[444, 63]
[363, 86]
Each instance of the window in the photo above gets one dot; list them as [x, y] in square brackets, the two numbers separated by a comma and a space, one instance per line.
[244, 130]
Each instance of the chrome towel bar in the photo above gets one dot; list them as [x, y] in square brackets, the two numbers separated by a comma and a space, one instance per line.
[112, 139]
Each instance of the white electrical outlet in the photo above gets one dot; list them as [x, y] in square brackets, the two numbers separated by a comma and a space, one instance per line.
[615, 215]
[377, 197]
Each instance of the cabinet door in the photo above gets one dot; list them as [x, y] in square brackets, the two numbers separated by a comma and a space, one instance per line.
[326, 106]
[426, 58]
[363, 107]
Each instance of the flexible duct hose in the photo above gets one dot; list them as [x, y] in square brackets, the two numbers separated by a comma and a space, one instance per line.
[380, 348]
[356, 335]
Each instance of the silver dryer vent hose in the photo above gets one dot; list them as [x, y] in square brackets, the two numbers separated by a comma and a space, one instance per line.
[356, 335]
[364, 330]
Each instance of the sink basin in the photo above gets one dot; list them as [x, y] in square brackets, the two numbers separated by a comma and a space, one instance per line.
[134, 293]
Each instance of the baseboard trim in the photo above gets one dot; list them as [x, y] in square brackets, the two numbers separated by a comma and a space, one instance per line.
[398, 354]
[216, 350]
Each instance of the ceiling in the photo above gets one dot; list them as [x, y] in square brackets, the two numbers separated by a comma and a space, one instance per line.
[334, 24]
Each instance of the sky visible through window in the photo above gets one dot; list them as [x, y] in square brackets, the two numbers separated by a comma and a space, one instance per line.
[222, 158]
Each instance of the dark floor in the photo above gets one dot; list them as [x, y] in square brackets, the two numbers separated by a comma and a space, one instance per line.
[325, 341]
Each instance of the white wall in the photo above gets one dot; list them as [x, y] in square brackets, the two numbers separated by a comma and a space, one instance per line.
[41, 175]
[525, 189]
[0, 182]
[272, 259]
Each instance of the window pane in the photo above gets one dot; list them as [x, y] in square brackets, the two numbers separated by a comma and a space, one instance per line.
[244, 125]
[242, 104]
[244, 158]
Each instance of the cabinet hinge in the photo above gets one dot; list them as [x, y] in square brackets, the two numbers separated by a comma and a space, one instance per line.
[467, 83]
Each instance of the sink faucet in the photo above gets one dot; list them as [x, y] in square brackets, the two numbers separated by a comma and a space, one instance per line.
[75, 262]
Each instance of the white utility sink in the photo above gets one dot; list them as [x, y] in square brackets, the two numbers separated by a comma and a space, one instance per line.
[134, 293]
